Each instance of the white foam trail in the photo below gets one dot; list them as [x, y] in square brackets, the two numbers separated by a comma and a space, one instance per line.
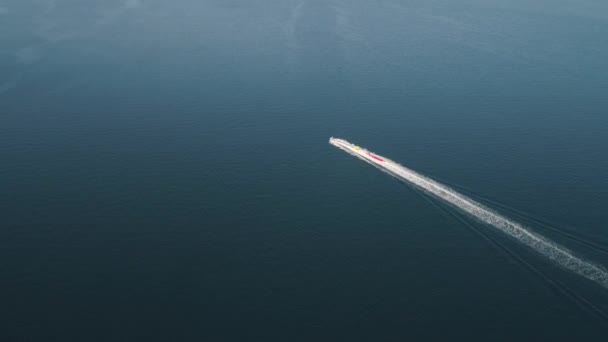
[541, 244]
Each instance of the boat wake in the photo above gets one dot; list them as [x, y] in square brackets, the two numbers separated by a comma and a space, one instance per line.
[551, 250]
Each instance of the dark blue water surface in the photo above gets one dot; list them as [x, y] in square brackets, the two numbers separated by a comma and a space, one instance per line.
[165, 172]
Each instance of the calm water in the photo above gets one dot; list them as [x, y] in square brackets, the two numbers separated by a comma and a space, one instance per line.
[165, 171]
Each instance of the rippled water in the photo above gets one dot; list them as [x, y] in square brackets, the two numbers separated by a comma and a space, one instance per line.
[166, 175]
